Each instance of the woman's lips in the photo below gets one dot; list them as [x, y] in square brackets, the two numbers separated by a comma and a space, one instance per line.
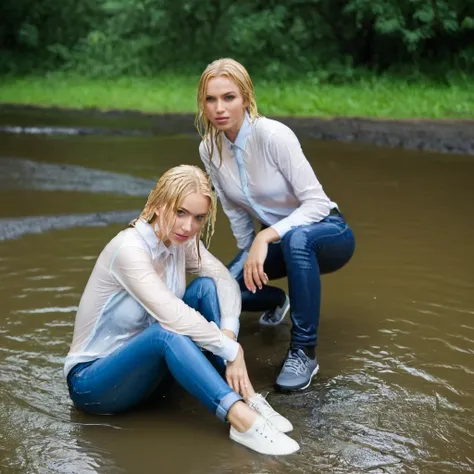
[181, 237]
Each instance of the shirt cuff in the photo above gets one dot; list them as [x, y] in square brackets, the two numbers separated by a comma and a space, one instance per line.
[228, 350]
[231, 324]
[281, 227]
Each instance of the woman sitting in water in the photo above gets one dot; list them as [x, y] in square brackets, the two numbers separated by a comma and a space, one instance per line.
[259, 171]
[137, 323]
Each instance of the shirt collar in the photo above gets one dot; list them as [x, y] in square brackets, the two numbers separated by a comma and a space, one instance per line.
[157, 247]
[244, 132]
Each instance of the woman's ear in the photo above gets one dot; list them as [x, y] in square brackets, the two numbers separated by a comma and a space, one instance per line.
[153, 216]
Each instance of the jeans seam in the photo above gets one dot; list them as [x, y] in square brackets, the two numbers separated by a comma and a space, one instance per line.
[216, 405]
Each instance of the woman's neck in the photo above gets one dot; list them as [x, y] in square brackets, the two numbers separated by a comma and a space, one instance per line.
[233, 134]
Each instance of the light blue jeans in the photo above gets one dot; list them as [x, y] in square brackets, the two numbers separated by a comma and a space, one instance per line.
[150, 360]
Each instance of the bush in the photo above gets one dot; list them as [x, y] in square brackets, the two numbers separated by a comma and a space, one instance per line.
[328, 40]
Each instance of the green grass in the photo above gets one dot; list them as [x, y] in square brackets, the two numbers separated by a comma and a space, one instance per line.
[378, 97]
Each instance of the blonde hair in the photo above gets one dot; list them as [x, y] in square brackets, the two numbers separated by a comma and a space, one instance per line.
[237, 73]
[168, 195]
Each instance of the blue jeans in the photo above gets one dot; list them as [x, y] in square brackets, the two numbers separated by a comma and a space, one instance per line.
[140, 368]
[303, 254]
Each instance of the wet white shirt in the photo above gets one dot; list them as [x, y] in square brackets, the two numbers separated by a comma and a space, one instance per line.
[135, 263]
[265, 174]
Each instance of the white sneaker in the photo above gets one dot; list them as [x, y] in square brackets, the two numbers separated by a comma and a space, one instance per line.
[262, 407]
[275, 317]
[264, 438]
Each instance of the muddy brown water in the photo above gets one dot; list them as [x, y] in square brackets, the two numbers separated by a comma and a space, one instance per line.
[395, 393]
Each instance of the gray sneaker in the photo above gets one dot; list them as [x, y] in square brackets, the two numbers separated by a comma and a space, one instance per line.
[275, 317]
[297, 371]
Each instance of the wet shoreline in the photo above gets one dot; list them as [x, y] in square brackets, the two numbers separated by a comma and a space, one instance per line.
[448, 136]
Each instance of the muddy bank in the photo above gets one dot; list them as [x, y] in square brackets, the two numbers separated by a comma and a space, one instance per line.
[17, 173]
[17, 227]
[451, 136]
[20, 174]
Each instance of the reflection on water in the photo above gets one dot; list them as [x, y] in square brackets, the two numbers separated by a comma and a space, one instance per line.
[397, 332]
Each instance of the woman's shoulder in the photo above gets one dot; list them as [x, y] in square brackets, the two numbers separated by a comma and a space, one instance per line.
[124, 243]
[267, 130]
[204, 152]
[128, 240]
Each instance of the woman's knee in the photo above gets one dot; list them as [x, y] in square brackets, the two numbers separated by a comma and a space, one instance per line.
[296, 240]
[297, 248]
[204, 286]
[161, 335]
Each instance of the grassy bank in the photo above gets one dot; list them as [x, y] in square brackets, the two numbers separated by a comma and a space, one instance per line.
[381, 97]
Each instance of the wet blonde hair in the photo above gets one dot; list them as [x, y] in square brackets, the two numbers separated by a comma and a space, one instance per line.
[235, 72]
[168, 195]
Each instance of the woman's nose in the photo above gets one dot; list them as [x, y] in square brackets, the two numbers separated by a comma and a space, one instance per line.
[220, 106]
[186, 225]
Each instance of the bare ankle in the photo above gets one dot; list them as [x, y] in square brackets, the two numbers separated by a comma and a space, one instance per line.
[241, 417]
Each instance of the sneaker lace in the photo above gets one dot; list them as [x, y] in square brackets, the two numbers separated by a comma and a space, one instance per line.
[267, 430]
[295, 363]
[260, 404]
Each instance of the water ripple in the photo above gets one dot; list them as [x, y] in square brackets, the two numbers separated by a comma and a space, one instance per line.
[52, 309]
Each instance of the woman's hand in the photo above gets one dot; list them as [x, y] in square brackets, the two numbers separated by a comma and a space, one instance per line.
[254, 276]
[237, 376]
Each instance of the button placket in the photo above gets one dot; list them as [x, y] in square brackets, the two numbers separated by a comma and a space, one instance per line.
[243, 181]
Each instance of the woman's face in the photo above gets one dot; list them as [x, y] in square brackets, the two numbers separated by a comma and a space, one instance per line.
[225, 106]
[190, 217]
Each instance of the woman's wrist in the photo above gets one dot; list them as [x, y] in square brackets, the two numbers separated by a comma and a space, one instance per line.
[268, 235]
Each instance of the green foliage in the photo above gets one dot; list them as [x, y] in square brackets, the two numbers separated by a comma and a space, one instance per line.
[323, 40]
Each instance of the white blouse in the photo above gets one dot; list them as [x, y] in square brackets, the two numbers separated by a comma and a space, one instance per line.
[135, 263]
[265, 174]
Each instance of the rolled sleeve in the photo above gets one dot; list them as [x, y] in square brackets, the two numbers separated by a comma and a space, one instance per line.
[231, 324]
[228, 350]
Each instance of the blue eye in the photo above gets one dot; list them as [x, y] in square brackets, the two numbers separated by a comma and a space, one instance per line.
[229, 97]
[180, 212]
[209, 99]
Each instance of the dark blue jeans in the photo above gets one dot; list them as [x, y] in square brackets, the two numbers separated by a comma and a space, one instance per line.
[138, 369]
[303, 255]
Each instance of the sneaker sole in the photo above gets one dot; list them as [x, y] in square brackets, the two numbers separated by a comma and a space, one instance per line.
[297, 388]
[262, 323]
[261, 451]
